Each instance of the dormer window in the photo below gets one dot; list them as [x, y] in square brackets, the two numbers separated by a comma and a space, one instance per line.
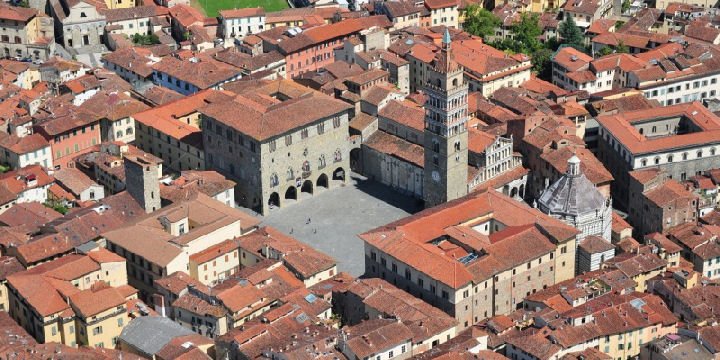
[82, 15]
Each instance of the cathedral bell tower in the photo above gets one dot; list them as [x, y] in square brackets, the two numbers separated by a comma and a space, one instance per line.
[445, 136]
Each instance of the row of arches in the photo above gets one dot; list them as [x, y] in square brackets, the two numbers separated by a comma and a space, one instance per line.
[308, 187]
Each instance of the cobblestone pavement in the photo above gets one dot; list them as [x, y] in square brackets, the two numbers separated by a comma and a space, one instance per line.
[336, 217]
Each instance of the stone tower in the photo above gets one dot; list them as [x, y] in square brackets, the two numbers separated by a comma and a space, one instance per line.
[142, 181]
[446, 136]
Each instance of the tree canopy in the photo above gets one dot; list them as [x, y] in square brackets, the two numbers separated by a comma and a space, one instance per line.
[571, 33]
[480, 22]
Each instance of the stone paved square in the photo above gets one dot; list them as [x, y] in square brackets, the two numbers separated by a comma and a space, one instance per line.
[338, 215]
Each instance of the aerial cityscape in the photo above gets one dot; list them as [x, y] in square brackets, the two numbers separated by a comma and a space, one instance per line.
[359, 179]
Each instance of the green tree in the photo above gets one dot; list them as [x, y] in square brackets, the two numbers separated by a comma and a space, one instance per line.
[150, 39]
[480, 22]
[625, 6]
[23, 3]
[571, 33]
[542, 63]
[606, 50]
[621, 48]
[526, 33]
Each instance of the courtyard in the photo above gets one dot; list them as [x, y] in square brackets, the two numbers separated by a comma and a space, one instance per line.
[338, 215]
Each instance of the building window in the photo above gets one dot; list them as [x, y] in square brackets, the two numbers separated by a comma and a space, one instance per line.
[304, 134]
[336, 122]
[288, 140]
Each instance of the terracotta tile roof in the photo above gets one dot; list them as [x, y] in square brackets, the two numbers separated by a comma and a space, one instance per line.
[91, 302]
[710, 335]
[401, 8]
[440, 4]
[9, 265]
[33, 214]
[103, 255]
[669, 192]
[600, 26]
[23, 179]
[410, 240]
[324, 33]
[74, 180]
[16, 13]
[621, 127]
[23, 145]
[478, 141]
[158, 95]
[702, 31]
[179, 281]
[204, 73]
[582, 77]
[590, 165]
[215, 251]
[618, 223]
[572, 59]
[404, 113]
[39, 293]
[298, 257]
[373, 336]
[190, 182]
[186, 15]
[248, 62]
[543, 87]
[165, 118]
[635, 264]
[161, 248]
[143, 11]
[255, 116]
[624, 62]
[484, 61]
[133, 59]
[397, 147]
[422, 319]
[67, 121]
[595, 244]
[197, 305]
[242, 13]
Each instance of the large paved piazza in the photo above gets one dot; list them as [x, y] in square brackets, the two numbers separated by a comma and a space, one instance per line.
[338, 215]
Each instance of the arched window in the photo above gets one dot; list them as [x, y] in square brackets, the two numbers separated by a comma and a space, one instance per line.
[129, 131]
[457, 145]
[712, 151]
[670, 158]
[699, 153]
[455, 82]
[274, 181]
[306, 166]
[685, 156]
[641, 131]
[118, 134]
[338, 155]
[643, 163]
[321, 162]
[657, 160]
